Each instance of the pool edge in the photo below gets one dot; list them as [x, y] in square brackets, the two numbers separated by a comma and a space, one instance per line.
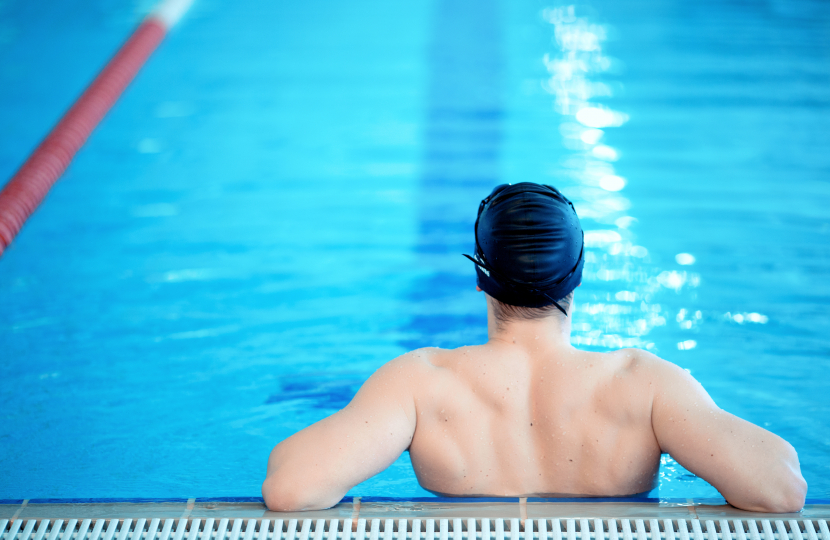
[251, 508]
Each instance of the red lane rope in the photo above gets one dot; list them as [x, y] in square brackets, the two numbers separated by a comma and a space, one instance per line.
[29, 186]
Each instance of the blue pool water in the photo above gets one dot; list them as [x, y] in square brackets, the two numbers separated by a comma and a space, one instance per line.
[279, 204]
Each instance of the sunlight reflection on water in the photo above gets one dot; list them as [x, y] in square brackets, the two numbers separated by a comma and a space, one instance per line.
[614, 259]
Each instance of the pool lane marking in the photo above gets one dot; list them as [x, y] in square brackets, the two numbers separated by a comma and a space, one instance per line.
[21, 196]
[22, 506]
[692, 509]
[188, 509]
[355, 509]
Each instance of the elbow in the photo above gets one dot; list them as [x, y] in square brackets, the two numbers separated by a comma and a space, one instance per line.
[276, 499]
[282, 496]
[789, 497]
[285, 496]
[791, 491]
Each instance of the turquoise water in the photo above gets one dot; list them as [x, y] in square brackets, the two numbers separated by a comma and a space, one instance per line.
[279, 204]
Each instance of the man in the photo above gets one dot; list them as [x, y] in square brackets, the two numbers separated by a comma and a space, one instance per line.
[527, 414]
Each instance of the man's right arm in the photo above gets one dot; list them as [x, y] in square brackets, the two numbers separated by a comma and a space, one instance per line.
[752, 468]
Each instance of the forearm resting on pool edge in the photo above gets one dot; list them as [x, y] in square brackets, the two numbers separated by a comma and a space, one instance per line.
[292, 485]
[768, 480]
[315, 467]
[751, 467]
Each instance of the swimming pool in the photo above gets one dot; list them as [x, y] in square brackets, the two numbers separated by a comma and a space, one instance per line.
[279, 202]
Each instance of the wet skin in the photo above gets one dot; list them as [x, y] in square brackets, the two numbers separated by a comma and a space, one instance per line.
[505, 419]
[527, 414]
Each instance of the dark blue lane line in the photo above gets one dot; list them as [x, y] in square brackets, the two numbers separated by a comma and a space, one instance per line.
[461, 160]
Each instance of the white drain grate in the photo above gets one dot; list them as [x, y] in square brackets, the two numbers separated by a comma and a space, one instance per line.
[413, 529]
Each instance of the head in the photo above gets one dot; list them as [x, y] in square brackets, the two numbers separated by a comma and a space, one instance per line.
[529, 251]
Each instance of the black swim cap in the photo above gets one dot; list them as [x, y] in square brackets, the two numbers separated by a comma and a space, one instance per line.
[529, 245]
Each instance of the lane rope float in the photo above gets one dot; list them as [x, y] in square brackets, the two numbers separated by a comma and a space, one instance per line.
[30, 184]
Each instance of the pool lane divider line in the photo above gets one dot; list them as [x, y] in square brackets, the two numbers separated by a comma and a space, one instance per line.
[30, 184]
[189, 508]
[355, 509]
[22, 506]
[692, 511]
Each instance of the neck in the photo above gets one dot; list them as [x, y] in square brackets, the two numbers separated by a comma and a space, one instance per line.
[551, 331]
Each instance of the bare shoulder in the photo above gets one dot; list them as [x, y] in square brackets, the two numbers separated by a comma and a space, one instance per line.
[397, 382]
[411, 368]
[417, 360]
[648, 366]
[430, 371]
[436, 358]
[653, 380]
[672, 382]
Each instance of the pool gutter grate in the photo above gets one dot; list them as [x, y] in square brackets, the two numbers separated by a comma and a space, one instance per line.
[414, 529]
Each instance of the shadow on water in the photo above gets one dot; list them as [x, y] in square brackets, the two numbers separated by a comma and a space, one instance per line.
[462, 145]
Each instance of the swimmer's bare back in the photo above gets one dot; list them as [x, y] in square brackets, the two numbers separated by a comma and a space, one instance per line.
[533, 417]
[495, 420]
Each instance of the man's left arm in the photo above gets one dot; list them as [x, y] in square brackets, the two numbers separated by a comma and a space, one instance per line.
[315, 467]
